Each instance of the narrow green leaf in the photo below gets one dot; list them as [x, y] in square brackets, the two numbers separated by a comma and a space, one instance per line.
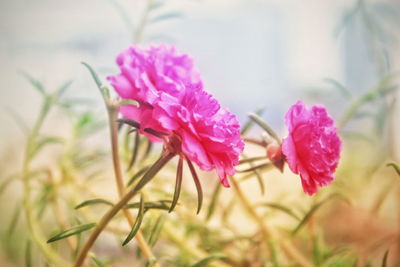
[155, 232]
[138, 222]
[166, 16]
[265, 126]
[385, 257]
[73, 231]
[147, 151]
[43, 141]
[178, 184]
[395, 166]
[214, 200]
[250, 122]
[343, 90]
[251, 169]
[161, 205]
[247, 160]
[35, 83]
[313, 209]
[135, 151]
[94, 75]
[281, 208]
[206, 261]
[94, 202]
[14, 221]
[18, 120]
[97, 261]
[130, 122]
[28, 254]
[138, 174]
[61, 90]
[198, 185]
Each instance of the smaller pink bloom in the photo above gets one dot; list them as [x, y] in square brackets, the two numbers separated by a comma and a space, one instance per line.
[312, 148]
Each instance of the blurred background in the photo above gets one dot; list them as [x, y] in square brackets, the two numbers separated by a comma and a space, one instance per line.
[252, 54]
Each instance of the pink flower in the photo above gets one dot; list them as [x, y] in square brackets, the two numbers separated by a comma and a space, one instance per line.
[172, 100]
[312, 148]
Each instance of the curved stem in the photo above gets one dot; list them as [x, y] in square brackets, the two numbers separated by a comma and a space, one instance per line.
[123, 201]
[141, 241]
[286, 245]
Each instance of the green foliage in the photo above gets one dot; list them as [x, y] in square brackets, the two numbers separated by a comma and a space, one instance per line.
[72, 231]
[138, 222]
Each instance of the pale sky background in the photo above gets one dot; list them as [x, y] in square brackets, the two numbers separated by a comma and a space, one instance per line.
[251, 53]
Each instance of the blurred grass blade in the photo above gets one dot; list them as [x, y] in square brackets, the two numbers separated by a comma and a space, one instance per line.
[395, 166]
[138, 174]
[35, 83]
[343, 90]
[206, 261]
[198, 185]
[97, 261]
[178, 184]
[281, 208]
[258, 176]
[43, 141]
[148, 149]
[18, 120]
[73, 231]
[61, 90]
[257, 119]
[138, 222]
[385, 257]
[6, 183]
[214, 200]
[135, 151]
[94, 202]
[28, 254]
[250, 122]
[261, 166]
[14, 221]
[155, 232]
[166, 16]
[247, 160]
[313, 209]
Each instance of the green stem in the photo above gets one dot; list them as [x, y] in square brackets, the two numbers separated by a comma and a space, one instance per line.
[142, 23]
[117, 207]
[35, 232]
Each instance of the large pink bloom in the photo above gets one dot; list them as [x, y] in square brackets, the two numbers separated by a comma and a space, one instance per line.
[172, 100]
[312, 148]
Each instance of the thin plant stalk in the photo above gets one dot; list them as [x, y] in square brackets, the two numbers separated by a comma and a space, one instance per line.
[267, 232]
[35, 232]
[120, 205]
[141, 241]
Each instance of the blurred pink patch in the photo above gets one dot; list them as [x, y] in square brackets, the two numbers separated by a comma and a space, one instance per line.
[172, 100]
[312, 148]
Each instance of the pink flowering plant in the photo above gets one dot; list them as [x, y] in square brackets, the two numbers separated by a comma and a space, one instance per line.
[173, 178]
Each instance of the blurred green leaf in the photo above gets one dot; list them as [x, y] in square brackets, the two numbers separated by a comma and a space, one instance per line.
[151, 262]
[178, 184]
[206, 261]
[166, 16]
[61, 90]
[28, 254]
[214, 200]
[138, 174]
[6, 183]
[94, 75]
[18, 120]
[97, 261]
[161, 204]
[385, 257]
[135, 151]
[125, 102]
[247, 126]
[14, 221]
[138, 222]
[94, 202]
[343, 90]
[155, 232]
[35, 83]
[198, 185]
[281, 208]
[257, 119]
[73, 231]
[395, 166]
[42, 142]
